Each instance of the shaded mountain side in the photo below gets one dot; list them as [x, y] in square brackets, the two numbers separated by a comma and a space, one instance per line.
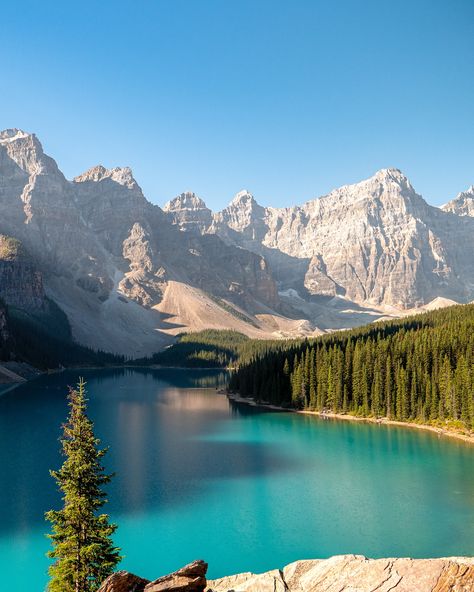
[45, 341]
[33, 328]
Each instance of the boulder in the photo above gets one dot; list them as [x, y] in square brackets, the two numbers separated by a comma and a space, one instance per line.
[123, 581]
[190, 578]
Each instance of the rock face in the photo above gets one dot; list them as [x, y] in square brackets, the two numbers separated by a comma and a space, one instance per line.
[355, 573]
[130, 275]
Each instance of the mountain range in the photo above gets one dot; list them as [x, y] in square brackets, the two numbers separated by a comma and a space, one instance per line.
[130, 275]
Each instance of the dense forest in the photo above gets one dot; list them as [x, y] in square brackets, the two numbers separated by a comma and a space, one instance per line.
[417, 369]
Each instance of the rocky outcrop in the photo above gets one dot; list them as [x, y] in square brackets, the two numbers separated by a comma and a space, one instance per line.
[355, 573]
[341, 573]
[190, 578]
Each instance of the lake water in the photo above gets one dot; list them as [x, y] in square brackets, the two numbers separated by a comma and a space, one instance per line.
[242, 488]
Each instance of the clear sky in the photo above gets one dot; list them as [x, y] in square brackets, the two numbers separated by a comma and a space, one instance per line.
[286, 98]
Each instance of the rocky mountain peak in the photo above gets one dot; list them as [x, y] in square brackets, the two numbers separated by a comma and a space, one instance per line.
[388, 186]
[189, 212]
[11, 134]
[391, 174]
[242, 209]
[389, 179]
[185, 201]
[121, 175]
[27, 152]
[243, 197]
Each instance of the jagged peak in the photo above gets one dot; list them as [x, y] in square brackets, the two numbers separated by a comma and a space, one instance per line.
[386, 185]
[26, 150]
[385, 178]
[389, 173]
[243, 199]
[243, 196]
[12, 134]
[187, 200]
[389, 176]
[468, 193]
[121, 175]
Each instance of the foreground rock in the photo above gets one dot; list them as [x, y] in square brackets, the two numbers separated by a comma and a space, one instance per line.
[190, 578]
[342, 573]
[123, 581]
[355, 573]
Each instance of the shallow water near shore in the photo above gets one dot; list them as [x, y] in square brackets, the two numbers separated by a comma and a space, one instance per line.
[244, 488]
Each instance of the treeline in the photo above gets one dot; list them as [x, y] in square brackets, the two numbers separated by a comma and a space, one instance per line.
[417, 369]
[204, 349]
[212, 348]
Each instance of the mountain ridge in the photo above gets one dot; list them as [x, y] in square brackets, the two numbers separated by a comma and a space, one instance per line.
[128, 273]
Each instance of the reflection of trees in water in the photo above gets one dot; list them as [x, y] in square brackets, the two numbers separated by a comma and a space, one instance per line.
[217, 380]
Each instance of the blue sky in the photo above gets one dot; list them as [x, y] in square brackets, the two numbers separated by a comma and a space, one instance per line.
[288, 99]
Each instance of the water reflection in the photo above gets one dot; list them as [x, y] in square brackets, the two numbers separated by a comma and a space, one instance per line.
[156, 434]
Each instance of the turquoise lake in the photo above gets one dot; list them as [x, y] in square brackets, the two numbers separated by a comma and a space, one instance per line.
[244, 489]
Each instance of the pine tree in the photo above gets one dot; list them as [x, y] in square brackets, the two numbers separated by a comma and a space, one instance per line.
[82, 546]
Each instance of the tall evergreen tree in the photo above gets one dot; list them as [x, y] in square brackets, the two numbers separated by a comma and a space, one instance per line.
[82, 545]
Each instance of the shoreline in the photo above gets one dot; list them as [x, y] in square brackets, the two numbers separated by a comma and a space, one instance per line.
[469, 439]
